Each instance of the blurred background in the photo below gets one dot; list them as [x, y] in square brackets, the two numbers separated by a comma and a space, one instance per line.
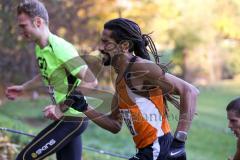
[201, 39]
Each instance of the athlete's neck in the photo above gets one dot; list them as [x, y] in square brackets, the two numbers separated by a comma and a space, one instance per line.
[43, 40]
[121, 62]
[116, 62]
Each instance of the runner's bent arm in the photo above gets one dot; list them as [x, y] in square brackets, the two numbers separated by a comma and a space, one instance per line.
[33, 83]
[15, 91]
[111, 122]
[188, 99]
[88, 80]
[187, 92]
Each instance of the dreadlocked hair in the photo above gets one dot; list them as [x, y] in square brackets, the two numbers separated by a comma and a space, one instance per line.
[141, 44]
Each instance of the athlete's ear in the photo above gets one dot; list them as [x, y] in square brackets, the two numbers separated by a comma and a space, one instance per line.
[37, 22]
[125, 45]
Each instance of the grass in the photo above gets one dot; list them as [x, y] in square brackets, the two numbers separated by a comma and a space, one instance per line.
[209, 137]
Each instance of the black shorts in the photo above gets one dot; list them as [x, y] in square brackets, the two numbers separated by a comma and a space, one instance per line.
[62, 137]
[156, 151]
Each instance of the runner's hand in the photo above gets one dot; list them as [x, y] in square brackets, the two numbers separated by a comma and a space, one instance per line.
[77, 101]
[13, 92]
[52, 112]
[177, 151]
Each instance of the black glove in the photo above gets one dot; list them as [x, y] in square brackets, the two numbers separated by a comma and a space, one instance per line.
[76, 101]
[177, 151]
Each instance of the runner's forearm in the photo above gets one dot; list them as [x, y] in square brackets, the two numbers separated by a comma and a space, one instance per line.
[33, 83]
[88, 81]
[103, 120]
[187, 109]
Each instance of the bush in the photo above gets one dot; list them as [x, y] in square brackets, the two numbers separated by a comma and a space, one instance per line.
[7, 149]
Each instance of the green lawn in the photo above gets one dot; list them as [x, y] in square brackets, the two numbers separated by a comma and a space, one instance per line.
[209, 137]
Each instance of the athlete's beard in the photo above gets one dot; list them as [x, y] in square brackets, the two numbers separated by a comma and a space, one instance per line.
[106, 60]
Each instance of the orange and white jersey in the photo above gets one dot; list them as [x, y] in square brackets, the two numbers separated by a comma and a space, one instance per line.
[145, 117]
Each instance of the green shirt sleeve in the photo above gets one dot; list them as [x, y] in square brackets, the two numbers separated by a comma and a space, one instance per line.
[68, 56]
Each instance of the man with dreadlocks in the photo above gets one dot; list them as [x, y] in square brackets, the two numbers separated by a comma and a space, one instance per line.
[142, 88]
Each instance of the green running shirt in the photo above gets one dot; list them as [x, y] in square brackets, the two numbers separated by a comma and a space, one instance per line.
[59, 62]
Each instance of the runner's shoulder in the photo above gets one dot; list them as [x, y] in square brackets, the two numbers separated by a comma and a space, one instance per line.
[144, 65]
[62, 47]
